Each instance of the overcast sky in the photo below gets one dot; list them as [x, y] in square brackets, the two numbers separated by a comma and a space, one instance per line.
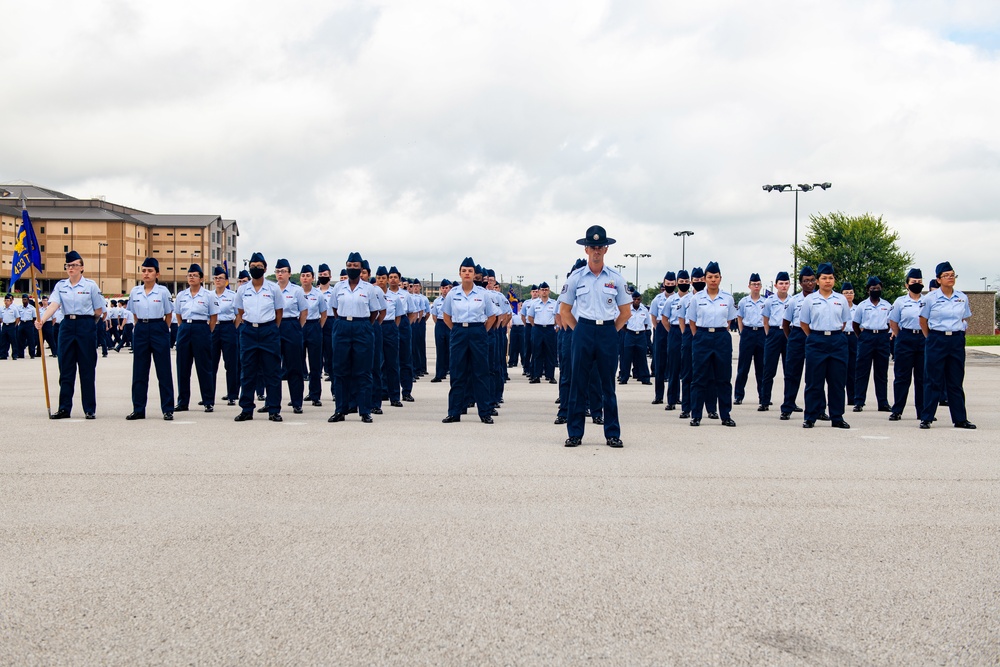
[419, 132]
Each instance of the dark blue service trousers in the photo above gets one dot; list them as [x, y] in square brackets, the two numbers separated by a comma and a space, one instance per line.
[8, 341]
[712, 372]
[795, 358]
[543, 340]
[390, 360]
[226, 348]
[405, 356]
[825, 367]
[526, 351]
[873, 360]
[852, 361]
[291, 360]
[78, 352]
[593, 346]
[376, 390]
[516, 351]
[469, 359]
[260, 359]
[194, 345]
[944, 374]
[674, 337]
[312, 342]
[442, 345]
[352, 364]
[751, 351]
[661, 360]
[594, 401]
[633, 358]
[151, 343]
[909, 364]
[774, 352]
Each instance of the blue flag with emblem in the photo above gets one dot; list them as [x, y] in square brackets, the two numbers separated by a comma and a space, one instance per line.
[26, 251]
[512, 298]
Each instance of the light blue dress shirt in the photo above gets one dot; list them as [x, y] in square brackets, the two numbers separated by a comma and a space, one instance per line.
[259, 306]
[656, 306]
[638, 319]
[545, 312]
[11, 314]
[825, 313]
[200, 306]
[751, 311]
[153, 306]
[476, 306]
[84, 298]
[359, 302]
[294, 299]
[316, 303]
[793, 308]
[774, 310]
[27, 313]
[672, 309]
[227, 304]
[402, 303]
[873, 316]
[946, 313]
[906, 312]
[711, 313]
[598, 296]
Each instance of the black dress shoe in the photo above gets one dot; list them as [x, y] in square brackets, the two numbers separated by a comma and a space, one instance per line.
[925, 425]
[738, 402]
[395, 404]
[573, 441]
[684, 415]
[615, 442]
[713, 415]
[243, 417]
[132, 416]
[552, 381]
[317, 403]
[599, 421]
[944, 403]
[451, 420]
[808, 424]
[89, 415]
[367, 419]
[623, 382]
[260, 397]
[728, 422]
[274, 418]
[859, 408]
[557, 401]
[436, 379]
[494, 413]
[535, 381]
[647, 382]
[297, 411]
[209, 408]
[796, 409]
[895, 417]
[885, 408]
[231, 402]
[168, 416]
[560, 420]
[965, 424]
[657, 401]
[823, 417]
[352, 411]
[785, 416]
[262, 409]
[408, 398]
[670, 406]
[762, 408]
[695, 422]
[376, 411]
[336, 417]
[289, 404]
[201, 402]
[486, 420]
[180, 408]
[840, 423]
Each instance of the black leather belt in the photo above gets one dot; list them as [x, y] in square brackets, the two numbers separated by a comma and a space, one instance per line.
[874, 331]
[352, 319]
[753, 328]
[257, 325]
[596, 322]
[948, 333]
[466, 325]
[544, 326]
[195, 321]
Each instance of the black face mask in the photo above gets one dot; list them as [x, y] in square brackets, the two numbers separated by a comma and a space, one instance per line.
[324, 280]
[875, 294]
[353, 274]
[256, 272]
[683, 287]
[916, 288]
[699, 286]
[669, 289]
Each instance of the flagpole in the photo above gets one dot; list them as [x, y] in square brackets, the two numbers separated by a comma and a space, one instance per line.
[41, 343]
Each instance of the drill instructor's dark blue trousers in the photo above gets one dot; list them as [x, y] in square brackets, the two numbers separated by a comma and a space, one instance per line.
[593, 345]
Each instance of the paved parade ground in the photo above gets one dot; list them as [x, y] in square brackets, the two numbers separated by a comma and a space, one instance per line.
[407, 541]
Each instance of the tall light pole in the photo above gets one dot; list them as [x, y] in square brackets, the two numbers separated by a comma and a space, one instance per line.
[683, 236]
[985, 286]
[100, 245]
[802, 187]
[637, 256]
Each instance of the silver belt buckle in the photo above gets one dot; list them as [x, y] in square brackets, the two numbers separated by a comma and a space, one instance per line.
[598, 322]
[948, 333]
[255, 324]
[349, 319]
[465, 325]
[711, 330]
[827, 333]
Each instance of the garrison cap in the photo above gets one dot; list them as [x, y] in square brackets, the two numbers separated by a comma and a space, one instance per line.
[393, 269]
[243, 274]
[151, 262]
[806, 271]
[366, 266]
[543, 286]
[468, 261]
[713, 267]
[670, 275]
[933, 284]
[219, 271]
[324, 267]
[343, 272]
[873, 281]
[782, 275]
[825, 269]
[306, 268]
[72, 256]
[914, 273]
[381, 271]
[697, 272]
[683, 275]
[938, 270]
[755, 277]
[196, 268]
[847, 286]
[355, 257]
[258, 257]
[445, 283]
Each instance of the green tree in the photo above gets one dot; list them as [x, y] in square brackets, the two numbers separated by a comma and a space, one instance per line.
[858, 247]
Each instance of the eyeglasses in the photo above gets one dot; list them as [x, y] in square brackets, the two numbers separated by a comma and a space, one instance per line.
[74, 265]
[948, 275]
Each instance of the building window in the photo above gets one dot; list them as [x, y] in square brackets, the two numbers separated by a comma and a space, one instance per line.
[65, 230]
[170, 251]
[184, 251]
[196, 234]
[183, 234]
[41, 230]
[156, 233]
[170, 233]
[65, 248]
[42, 248]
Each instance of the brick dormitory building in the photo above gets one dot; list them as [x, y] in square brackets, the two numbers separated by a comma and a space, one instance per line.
[112, 239]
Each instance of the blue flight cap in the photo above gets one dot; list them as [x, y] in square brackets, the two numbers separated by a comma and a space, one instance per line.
[393, 269]
[873, 281]
[113, 302]
[755, 277]
[415, 281]
[933, 284]
[914, 273]
[366, 266]
[806, 271]
[847, 286]
[534, 287]
[468, 261]
[381, 271]
[306, 268]
[196, 268]
[683, 275]
[490, 273]
[713, 267]
[258, 257]
[697, 272]
[543, 286]
[149, 262]
[445, 283]
[243, 274]
[343, 272]
[355, 257]
[283, 264]
[938, 270]
[8, 296]
[479, 270]
[324, 267]
[825, 269]
[219, 271]
[72, 256]
[782, 275]
[670, 275]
